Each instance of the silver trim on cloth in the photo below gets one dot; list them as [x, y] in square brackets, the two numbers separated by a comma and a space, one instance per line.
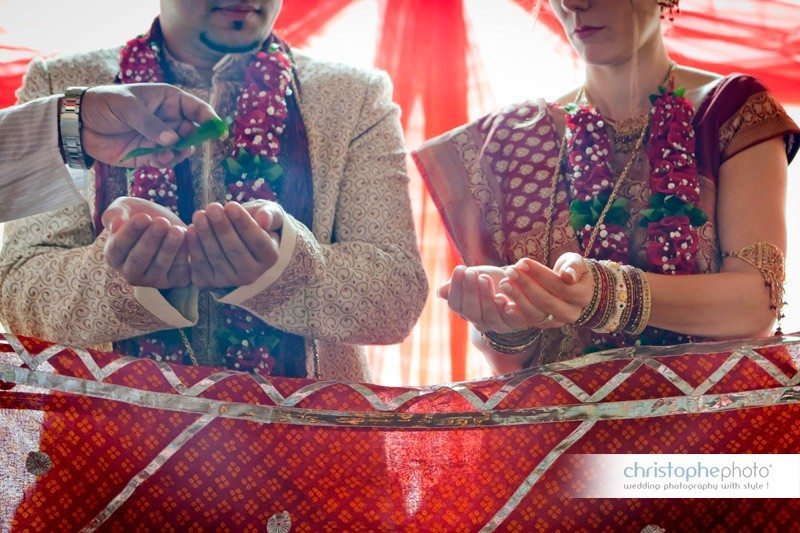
[387, 416]
[534, 476]
[317, 417]
[135, 482]
[642, 355]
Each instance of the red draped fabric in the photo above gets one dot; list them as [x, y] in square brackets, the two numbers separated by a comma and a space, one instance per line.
[13, 65]
[97, 441]
[756, 37]
[302, 19]
[429, 69]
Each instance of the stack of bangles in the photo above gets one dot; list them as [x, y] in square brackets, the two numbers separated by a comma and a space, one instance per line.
[621, 302]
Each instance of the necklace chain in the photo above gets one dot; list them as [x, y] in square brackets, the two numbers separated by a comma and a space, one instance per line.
[189, 349]
[615, 191]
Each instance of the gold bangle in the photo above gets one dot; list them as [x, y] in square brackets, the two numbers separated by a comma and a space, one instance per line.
[512, 343]
[620, 299]
[647, 301]
[770, 262]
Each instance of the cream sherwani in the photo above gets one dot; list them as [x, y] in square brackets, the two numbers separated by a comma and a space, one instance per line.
[354, 278]
[33, 176]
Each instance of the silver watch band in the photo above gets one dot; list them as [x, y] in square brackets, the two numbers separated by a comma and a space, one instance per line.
[70, 126]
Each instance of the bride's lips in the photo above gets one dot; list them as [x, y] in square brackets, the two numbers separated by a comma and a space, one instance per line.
[584, 32]
[236, 11]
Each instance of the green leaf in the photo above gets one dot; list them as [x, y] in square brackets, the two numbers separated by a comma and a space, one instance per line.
[674, 204]
[697, 217]
[271, 341]
[571, 108]
[232, 167]
[618, 213]
[657, 200]
[654, 98]
[138, 152]
[579, 206]
[274, 172]
[680, 91]
[208, 130]
[578, 221]
[648, 213]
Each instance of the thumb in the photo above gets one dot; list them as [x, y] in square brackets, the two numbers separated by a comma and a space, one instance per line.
[114, 217]
[152, 128]
[444, 290]
[573, 270]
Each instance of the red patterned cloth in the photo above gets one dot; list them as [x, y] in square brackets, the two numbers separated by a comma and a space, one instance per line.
[95, 440]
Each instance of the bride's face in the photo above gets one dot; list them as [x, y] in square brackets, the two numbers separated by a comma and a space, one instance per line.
[607, 32]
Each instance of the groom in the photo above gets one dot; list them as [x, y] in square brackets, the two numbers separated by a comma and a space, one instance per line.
[279, 250]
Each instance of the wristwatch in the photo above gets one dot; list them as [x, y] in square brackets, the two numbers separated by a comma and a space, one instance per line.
[69, 120]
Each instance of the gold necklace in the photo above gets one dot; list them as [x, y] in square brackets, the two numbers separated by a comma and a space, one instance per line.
[550, 214]
[189, 349]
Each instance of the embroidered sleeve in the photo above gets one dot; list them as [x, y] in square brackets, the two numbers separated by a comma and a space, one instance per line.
[760, 118]
[54, 281]
[367, 286]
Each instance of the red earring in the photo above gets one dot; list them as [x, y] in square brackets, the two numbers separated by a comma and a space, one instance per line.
[671, 7]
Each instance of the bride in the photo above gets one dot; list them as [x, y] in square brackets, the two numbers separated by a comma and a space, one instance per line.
[644, 207]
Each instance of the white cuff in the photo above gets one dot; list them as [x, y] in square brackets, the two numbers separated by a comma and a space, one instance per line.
[285, 253]
[152, 300]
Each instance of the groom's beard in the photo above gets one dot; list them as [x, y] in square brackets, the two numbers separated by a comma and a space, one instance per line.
[228, 49]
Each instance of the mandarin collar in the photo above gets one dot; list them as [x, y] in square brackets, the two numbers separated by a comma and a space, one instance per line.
[229, 67]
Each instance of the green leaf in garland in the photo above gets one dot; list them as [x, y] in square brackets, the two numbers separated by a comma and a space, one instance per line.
[571, 108]
[579, 206]
[273, 172]
[618, 213]
[232, 167]
[680, 91]
[654, 98]
[647, 216]
[272, 342]
[674, 204]
[222, 335]
[697, 217]
[578, 221]
[138, 152]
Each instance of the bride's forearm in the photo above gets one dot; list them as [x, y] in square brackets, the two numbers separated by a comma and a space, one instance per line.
[724, 305]
[501, 363]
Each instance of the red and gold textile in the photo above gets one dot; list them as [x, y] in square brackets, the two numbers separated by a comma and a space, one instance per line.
[95, 440]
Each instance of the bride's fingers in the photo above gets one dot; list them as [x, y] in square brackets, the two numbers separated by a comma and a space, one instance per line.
[456, 289]
[536, 301]
[572, 269]
[492, 305]
[444, 290]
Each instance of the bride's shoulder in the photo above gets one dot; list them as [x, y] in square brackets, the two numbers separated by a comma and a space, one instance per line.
[697, 83]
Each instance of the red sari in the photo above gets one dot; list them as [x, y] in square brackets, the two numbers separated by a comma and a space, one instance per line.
[490, 180]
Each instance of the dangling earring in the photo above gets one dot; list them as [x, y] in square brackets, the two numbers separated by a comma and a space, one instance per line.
[671, 6]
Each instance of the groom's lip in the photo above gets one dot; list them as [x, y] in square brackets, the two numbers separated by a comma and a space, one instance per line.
[237, 11]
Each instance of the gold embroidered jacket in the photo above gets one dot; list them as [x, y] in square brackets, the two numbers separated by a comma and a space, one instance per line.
[354, 278]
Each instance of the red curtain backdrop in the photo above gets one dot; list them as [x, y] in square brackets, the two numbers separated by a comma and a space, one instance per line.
[424, 46]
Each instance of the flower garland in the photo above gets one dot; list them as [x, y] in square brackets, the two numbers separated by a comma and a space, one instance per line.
[251, 172]
[673, 216]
